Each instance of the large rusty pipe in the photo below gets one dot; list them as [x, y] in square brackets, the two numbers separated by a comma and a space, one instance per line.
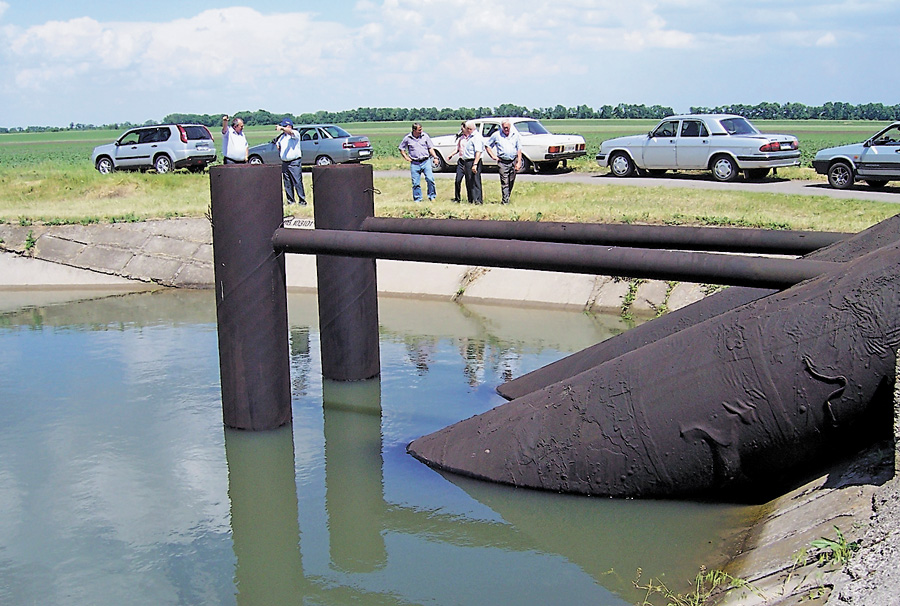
[870, 239]
[741, 403]
[552, 256]
[347, 287]
[672, 237]
[251, 299]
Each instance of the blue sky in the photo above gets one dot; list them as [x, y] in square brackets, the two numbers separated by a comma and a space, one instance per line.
[99, 62]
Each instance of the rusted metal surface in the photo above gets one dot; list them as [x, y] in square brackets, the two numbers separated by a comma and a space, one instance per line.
[251, 303]
[735, 403]
[763, 272]
[844, 250]
[347, 288]
[673, 237]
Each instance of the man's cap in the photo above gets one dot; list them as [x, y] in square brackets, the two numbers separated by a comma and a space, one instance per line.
[287, 122]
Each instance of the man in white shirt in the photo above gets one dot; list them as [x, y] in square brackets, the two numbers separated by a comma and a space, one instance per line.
[234, 143]
[288, 144]
[471, 155]
[505, 147]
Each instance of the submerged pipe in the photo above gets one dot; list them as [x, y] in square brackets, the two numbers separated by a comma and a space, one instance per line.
[735, 403]
[738, 270]
[673, 237]
[844, 250]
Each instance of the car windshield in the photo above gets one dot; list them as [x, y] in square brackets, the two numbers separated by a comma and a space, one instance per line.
[738, 126]
[531, 127]
[335, 131]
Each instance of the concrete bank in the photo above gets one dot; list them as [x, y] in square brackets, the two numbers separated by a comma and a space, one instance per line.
[178, 252]
[861, 498]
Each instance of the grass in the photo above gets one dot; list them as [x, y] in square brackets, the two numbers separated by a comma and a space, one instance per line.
[47, 178]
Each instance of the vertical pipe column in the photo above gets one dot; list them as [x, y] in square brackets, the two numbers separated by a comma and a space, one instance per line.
[251, 298]
[347, 287]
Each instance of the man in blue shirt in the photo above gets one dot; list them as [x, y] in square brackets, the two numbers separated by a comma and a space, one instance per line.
[417, 149]
[288, 144]
[505, 147]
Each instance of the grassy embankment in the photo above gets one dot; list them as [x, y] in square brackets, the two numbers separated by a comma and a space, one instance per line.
[48, 178]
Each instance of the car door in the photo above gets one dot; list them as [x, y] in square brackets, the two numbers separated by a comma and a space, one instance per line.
[692, 147]
[880, 159]
[309, 144]
[659, 149]
[127, 148]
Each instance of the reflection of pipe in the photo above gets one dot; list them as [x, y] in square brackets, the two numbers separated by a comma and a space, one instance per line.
[264, 514]
[553, 256]
[674, 237]
[743, 401]
[868, 240]
[353, 473]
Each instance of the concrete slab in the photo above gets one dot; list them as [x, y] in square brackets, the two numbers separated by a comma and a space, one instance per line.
[531, 287]
[57, 250]
[104, 258]
[22, 272]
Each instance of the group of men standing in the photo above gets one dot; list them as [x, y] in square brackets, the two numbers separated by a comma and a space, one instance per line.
[236, 151]
[504, 146]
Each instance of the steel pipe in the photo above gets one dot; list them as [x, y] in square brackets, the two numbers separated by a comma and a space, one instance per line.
[737, 270]
[673, 237]
[870, 239]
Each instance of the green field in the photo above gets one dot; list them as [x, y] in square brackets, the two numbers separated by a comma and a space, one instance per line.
[48, 177]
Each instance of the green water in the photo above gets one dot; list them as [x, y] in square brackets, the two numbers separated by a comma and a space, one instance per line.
[119, 484]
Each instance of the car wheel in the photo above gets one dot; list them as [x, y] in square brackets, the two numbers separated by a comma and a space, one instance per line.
[255, 160]
[724, 169]
[162, 164]
[755, 174]
[621, 165]
[840, 175]
[437, 162]
[324, 161]
[527, 166]
[546, 167]
[105, 166]
[875, 183]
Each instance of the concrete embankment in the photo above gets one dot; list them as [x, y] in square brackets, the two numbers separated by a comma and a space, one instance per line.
[860, 498]
[178, 252]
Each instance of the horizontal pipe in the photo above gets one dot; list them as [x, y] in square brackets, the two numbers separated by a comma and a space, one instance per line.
[696, 267]
[672, 237]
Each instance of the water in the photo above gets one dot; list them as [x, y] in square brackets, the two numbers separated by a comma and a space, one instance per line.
[119, 484]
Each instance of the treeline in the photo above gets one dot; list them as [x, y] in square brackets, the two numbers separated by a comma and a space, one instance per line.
[403, 114]
[836, 110]
[797, 111]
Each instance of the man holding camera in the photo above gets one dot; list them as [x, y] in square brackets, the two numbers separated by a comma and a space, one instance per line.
[288, 144]
[234, 143]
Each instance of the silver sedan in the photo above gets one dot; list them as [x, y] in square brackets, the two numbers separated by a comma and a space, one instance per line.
[320, 144]
[724, 144]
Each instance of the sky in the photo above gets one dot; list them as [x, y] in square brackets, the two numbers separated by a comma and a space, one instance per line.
[74, 61]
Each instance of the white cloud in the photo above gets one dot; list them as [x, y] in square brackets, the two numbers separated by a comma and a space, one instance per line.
[828, 39]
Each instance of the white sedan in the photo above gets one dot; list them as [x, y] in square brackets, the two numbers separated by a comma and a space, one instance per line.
[722, 143]
[541, 149]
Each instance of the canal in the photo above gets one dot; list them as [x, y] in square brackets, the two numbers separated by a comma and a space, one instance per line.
[119, 484]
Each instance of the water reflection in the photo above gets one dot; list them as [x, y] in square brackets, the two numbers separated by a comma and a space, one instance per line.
[118, 483]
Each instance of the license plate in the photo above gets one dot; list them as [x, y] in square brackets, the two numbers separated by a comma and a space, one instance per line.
[785, 146]
[364, 153]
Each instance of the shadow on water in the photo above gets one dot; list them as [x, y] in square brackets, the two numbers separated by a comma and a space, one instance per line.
[153, 503]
